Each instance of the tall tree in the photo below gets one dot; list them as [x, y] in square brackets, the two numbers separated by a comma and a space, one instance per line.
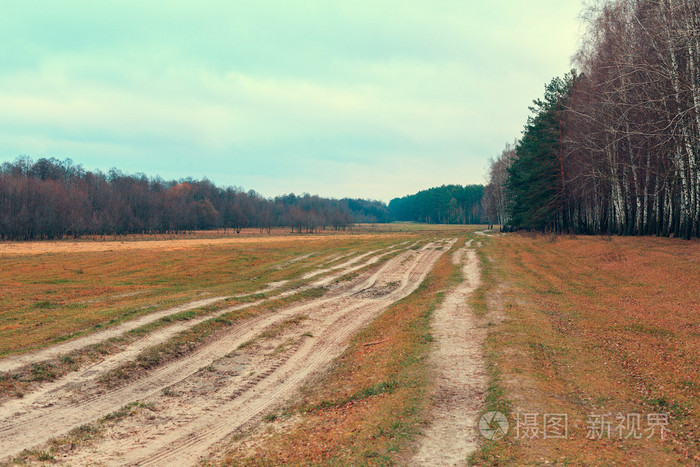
[537, 178]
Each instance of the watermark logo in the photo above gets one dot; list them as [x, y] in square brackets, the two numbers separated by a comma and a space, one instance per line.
[493, 425]
[533, 425]
[627, 426]
[544, 426]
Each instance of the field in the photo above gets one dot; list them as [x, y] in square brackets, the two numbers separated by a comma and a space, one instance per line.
[98, 333]
[57, 290]
[588, 327]
[380, 345]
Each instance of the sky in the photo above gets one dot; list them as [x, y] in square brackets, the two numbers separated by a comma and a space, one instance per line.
[364, 98]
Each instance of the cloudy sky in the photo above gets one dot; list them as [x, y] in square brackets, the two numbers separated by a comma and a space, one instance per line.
[363, 98]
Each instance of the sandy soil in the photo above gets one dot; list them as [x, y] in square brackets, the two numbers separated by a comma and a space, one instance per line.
[460, 374]
[15, 362]
[45, 393]
[206, 396]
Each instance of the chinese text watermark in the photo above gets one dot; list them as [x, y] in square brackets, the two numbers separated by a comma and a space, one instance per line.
[535, 425]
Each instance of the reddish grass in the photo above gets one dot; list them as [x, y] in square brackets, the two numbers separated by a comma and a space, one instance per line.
[595, 326]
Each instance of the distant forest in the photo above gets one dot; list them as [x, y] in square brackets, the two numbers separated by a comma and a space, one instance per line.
[615, 148]
[448, 204]
[50, 199]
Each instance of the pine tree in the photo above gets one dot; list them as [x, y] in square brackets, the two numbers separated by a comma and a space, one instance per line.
[536, 179]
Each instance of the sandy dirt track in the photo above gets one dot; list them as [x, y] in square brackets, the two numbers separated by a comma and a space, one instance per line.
[14, 362]
[218, 389]
[460, 373]
[46, 393]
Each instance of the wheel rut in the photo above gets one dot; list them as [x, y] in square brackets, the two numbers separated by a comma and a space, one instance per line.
[229, 404]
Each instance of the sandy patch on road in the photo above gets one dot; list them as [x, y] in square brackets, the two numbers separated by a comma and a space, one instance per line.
[14, 362]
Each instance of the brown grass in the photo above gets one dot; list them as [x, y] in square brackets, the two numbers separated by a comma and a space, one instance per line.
[189, 240]
[594, 325]
[157, 242]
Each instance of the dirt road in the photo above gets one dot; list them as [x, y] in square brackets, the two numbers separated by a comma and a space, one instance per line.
[14, 362]
[460, 374]
[220, 388]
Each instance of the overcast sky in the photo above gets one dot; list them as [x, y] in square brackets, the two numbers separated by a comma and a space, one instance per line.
[364, 98]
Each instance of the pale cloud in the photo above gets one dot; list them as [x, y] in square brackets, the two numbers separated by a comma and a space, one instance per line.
[338, 98]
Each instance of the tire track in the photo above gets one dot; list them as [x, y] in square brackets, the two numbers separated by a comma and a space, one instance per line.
[78, 377]
[15, 362]
[29, 423]
[280, 381]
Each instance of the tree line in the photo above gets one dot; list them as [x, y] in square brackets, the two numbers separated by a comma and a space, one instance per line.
[50, 199]
[448, 204]
[613, 149]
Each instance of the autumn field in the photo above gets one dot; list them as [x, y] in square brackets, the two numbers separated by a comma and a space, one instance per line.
[223, 349]
[603, 329]
[96, 331]
[58, 290]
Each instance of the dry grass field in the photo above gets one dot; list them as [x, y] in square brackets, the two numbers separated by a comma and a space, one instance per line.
[315, 349]
[593, 326]
[98, 333]
[53, 291]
